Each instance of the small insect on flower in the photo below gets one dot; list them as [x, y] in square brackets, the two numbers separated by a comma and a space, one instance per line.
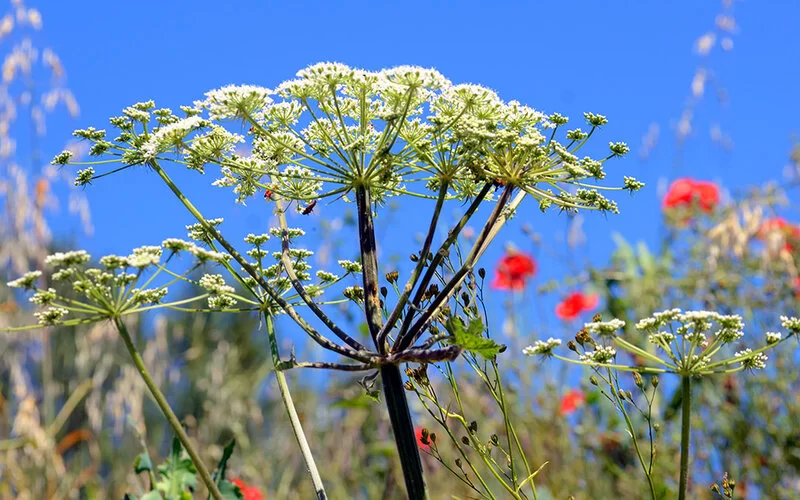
[267, 194]
[498, 183]
[309, 208]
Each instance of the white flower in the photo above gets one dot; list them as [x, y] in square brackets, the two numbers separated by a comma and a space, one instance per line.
[292, 232]
[170, 135]
[752, 361]
[177, 245]
[603, 354]
[51, 316]
[605, 327]
[256, 239]
[215, 284]
[327, 277]
[235, 101]
[26, 281]
[73, 258]
[44, 297]
[144, 256]
[773, 337]
[350, 266]
[542, 348]
[791, 323]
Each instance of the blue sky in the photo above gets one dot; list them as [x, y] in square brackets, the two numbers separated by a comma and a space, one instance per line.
[629, 60]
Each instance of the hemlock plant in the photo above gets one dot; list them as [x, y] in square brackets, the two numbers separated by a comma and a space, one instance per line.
[335, 134]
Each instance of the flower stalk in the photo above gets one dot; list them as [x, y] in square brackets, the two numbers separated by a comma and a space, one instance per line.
[686, 432]
[166, 410]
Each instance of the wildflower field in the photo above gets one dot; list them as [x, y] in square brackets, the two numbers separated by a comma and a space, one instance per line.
[488, 254]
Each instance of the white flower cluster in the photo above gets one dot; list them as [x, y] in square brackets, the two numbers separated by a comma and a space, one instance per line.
[235, 101]
[51, 316]
[791, 323]
[602, 354]
[219, 298]
[171, 135]
[145, 256]
[26, 281]
[605, 327]
[292, 232]
[542, 348]
[757, 361]
[67, 259]
[350, 266]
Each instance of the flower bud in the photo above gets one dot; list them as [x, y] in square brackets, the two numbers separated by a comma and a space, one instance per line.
[593, 380]
[637, 379]
[392, 276]
[482, 273]
[465, 440]
[414, 257]
[654, 380]
[572, 346]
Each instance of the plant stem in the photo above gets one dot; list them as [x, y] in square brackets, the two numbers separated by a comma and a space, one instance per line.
[686, 431]
[294, 419]
[297, 428]
[393, 390]
[403, 428]
[163, 405]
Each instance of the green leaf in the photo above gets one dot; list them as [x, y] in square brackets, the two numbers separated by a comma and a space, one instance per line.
[142, 463]
[360, 402]
[471, 338]
[230, 491]
[177, 474]
[219, 474]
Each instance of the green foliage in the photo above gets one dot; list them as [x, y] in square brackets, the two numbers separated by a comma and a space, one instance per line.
[471, 339]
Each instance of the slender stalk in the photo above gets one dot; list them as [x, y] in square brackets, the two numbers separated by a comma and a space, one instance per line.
[294, 419]
[686, 431]
[290, 311]
[297, 428]
[621, 405]
[163, 405]
[403, 428]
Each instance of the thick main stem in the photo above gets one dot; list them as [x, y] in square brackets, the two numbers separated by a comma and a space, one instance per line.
[403, 428]
[163, 405]
[686, 432]
[393, 390]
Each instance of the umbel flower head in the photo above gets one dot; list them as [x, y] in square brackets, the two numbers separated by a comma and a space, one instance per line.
[121, 285]
[688, 343]
[334, 129]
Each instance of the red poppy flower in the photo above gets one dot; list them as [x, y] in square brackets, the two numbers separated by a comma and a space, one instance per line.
[574, 304]
[249, 492]
[513, 270]
[686, 192]
[422, 446]
[571, 401]
[779, 225]
[797, 287]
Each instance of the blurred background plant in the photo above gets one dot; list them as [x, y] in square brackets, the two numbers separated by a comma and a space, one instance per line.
[73, 412]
